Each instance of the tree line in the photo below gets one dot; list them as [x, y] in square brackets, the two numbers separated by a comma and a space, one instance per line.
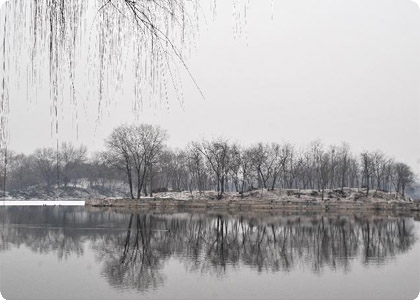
[137, 158]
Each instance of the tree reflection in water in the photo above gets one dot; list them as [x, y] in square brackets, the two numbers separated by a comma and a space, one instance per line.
[132, 259]
[133, 248]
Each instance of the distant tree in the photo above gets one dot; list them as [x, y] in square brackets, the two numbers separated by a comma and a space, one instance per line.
[299, 168]
[368, 170]
[379, 168]
[197, 167]
[21, 172]
[235, 163]
[45, 165]
[71, 158]
[136, 149]
[276, 159]
[354, 172]
[217, 154]
[285, 165]
[152, 139]
[334, 160]
[403, 176]
[119, 154]
[324, 172]
[178, 170]
[261, 163]
[316, 152]
[98, 172]
[246, 169]
[388, 172]
[343, 164]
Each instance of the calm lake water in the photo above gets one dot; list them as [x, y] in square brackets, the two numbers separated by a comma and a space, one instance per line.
[86, 253]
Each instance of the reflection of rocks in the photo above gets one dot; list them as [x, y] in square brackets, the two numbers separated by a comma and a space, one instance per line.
[133, 248]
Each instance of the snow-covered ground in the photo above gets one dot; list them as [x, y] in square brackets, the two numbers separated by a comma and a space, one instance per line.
[68, 193]
[348, 194]
[41, 203]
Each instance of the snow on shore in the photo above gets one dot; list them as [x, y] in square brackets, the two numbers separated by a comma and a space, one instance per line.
[42, 202]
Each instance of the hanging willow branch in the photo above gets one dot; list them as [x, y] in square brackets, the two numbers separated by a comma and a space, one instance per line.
[4, 100]
[92, 49]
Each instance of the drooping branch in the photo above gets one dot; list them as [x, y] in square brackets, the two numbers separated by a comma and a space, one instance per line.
[91, 50]
[87, 50]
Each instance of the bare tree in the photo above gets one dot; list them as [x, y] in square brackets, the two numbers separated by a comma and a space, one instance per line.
[316, 150]
[379, 168]
[334, 160]
[367, 170]
[388, 166]
[246, 169]
[235, 163]
[403, 176]
[152, 140]
[262, 163]
[119, 153]
[99, 172]
[197, 167]
[45, 161]
[71, 158]
[217, 156]
[178, 174]
[324, 172]
[286, 165]
[139, 156]
[136, 147]
[344, 164]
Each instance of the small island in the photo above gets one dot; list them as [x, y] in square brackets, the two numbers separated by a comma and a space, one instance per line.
[138, 170]
[277, 201]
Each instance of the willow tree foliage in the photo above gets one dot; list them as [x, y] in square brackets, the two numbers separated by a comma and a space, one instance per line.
[96, 47]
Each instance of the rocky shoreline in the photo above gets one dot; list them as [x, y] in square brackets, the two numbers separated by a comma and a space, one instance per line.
[296, 205]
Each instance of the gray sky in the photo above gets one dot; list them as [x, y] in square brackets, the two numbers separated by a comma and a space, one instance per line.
[329, 69]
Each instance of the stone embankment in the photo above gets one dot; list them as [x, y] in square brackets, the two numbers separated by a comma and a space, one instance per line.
[259, 204]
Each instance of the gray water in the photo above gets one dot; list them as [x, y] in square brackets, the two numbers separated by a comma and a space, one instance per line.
[85, 253]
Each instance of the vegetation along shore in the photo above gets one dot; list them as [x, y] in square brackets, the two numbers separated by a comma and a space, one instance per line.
[137, 164]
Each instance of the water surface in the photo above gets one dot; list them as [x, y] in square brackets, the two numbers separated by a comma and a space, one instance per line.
[85, 253]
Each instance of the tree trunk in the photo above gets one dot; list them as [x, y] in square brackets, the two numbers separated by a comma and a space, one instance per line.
[142, 185]
[138, 169]
[151, 180]
[222, 185]
[130, 183]
[274, 182]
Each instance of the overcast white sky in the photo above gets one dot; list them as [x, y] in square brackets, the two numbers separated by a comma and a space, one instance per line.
[329, 69]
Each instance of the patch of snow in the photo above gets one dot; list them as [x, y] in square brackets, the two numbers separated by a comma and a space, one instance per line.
[40, 203]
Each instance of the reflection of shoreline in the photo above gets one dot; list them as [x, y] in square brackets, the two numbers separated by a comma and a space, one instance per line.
[134, 255]
[294, 205]
[210, 244]
[252, 212]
